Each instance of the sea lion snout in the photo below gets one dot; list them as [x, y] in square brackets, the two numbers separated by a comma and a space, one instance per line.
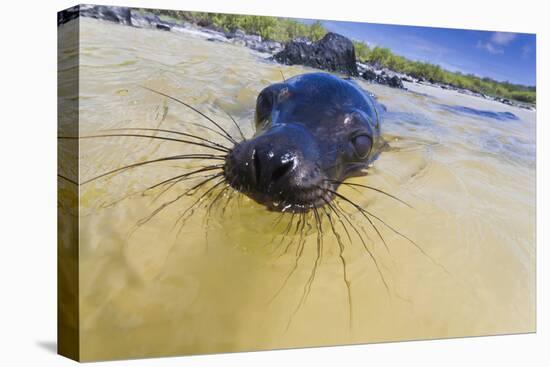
[269, 167]
[279, 165]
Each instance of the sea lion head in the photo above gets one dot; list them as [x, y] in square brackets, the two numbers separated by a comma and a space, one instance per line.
[312, 132]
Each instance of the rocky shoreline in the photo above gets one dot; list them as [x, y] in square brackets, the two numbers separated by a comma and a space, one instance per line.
[333, 53]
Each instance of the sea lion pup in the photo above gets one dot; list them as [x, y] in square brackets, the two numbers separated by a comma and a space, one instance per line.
[312, 132]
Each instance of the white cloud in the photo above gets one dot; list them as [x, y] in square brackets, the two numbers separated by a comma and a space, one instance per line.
[497, 42]
[489, 47]
[502, 38]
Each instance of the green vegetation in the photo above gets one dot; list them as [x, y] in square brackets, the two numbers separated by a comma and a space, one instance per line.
[285, 30]
[383, 57]
[271, 28]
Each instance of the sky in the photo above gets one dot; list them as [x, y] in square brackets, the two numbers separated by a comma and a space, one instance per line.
[503, 56]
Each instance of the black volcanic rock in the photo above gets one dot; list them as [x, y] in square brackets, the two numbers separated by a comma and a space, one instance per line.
[370, 75]
[116, 14]
[163, 27]
[394, 82]
[144, 20]
[391, 80]
[333, 52]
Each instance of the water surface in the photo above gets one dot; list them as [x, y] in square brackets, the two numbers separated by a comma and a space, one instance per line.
[466, 165]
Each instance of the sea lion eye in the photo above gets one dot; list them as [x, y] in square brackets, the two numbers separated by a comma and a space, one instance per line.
[362, 145]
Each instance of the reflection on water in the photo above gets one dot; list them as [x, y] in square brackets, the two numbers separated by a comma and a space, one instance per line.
[232, 280]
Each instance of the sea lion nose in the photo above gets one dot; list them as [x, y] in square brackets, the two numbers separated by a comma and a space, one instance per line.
[270, 167]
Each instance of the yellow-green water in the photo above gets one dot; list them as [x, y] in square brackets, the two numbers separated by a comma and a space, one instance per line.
[213, 286]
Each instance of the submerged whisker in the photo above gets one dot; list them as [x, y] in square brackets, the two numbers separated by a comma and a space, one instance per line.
[184, 216]
[367, 213]
[207, 215]
[294, 235]
[364, 213]
[181, 179]
[216, 198]
[299, 251]
[343, 260]
[229, 198]
[369, 252]
[319, 229]
[168, 203]
[284, 234]
[309, 282]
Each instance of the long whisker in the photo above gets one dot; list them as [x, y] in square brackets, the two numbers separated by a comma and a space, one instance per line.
[224, 150]
[171, 132]
[369, 252]
[186, 174]
[367, 213]
[183, 217]
[168, 203]
[208, 215]
[216, 198]
[371, 188]
[170, 158]
[338, 213]
[211, 130]
[418, 247]
[229, 198]
[235, 123]
[175, 182]
[194, 109]
[364, 213]
[142, 192]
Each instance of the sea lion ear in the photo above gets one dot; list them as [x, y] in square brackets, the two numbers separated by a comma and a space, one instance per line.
[268, 99]
[264, 106]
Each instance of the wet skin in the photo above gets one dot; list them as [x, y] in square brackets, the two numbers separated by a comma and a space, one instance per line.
[312, 132]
